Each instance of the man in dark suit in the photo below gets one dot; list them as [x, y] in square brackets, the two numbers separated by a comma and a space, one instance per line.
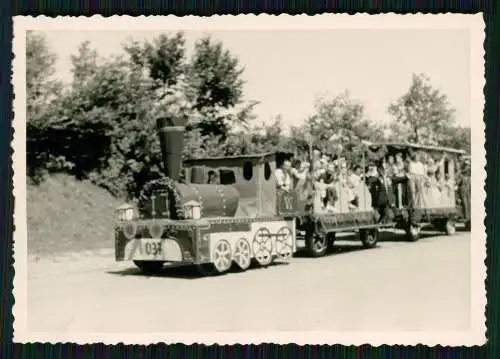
[464, 194]
[382, 194]
[371, 177]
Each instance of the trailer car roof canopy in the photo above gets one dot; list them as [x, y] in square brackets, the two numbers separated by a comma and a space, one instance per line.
[403, 146]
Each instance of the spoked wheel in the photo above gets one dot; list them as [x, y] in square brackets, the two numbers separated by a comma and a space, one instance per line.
[316, 242]
[262, 247]
[369, 237]
[222, 256]
[284, 243]
[242, 254]
[413, 232]
[449, 227]
[221, 260]
[150, 267]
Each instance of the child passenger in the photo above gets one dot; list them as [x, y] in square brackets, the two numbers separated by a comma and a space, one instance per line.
[399, 166]
[283, 176]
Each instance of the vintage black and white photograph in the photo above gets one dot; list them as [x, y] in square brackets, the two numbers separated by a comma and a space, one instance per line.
[250, 179]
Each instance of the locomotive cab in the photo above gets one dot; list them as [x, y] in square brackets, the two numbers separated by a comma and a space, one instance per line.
[251, 175]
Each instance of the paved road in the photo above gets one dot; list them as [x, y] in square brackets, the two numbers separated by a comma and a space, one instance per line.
[397, 286]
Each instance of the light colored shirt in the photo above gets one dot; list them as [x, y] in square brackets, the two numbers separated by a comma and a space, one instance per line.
[417, 168]
[354, 180]
[397, 169]
[283, 179]
[300, 178]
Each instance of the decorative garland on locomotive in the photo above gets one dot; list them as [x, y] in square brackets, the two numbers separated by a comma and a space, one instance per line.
[200, 223]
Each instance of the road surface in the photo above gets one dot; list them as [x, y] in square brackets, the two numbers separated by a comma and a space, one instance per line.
[397, 286]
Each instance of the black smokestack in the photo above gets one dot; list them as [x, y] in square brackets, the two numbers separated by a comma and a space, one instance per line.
[171, 135]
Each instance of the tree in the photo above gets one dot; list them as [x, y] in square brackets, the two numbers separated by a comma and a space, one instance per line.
[42, 93]
[41, 87]
[338, 125]
[457, 137]
[422, 114]
[103, 127]
[84, 64]
[270, 136]
[164, 57]
[114, 108]
[216, 78]
[125, 150]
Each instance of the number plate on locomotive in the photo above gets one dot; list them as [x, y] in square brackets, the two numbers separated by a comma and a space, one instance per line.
[145, 249]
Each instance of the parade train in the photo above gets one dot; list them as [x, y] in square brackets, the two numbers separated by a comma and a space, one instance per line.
[243, 218]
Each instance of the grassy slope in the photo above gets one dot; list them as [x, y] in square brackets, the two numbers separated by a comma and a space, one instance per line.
[69, 215]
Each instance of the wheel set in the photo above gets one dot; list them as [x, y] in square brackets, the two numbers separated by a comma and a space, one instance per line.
[259, 250]
[447, 225]
[243, 253]
[319, 242]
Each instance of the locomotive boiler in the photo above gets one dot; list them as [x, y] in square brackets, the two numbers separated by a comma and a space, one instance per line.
[210, 225]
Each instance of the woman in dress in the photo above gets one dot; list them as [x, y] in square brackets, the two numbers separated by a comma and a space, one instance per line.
[416, 173]
[433, 197]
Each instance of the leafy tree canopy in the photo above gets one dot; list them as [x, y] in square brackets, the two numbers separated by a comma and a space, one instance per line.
[102, 126]
[337, 126]
[422, 114]
[164, 57]
[216, 78]
[41, 87]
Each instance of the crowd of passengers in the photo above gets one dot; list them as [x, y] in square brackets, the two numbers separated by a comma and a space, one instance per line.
[339, 187]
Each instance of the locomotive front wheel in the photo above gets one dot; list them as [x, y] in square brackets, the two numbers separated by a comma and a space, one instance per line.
[316, 243]
[449, 227]
[369, 237]
[242, 254]
[413, 232]
[222, 256]
[149, 267]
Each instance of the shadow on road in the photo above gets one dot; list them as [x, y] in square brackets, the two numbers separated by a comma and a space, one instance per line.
[187, 272]
[343, 245]
[427, 233]
[337, 249]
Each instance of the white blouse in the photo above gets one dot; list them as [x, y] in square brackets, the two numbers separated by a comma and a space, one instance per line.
[417, 168]
[283, 179]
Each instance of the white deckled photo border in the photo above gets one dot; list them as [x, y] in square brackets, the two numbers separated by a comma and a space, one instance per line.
[473, 23]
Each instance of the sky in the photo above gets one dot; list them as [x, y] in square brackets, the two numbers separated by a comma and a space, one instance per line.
[286, 70]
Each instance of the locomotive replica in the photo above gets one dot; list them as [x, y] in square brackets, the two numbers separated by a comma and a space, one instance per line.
[208, 225]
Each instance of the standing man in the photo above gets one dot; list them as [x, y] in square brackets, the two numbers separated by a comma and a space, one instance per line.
[464, 193]
[382, 194]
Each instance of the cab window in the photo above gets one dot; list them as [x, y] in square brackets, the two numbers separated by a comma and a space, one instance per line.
[227, 177]
[248, 170]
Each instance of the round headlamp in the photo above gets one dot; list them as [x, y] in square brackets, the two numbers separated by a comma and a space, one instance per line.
[125, 213]
[129, 214]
